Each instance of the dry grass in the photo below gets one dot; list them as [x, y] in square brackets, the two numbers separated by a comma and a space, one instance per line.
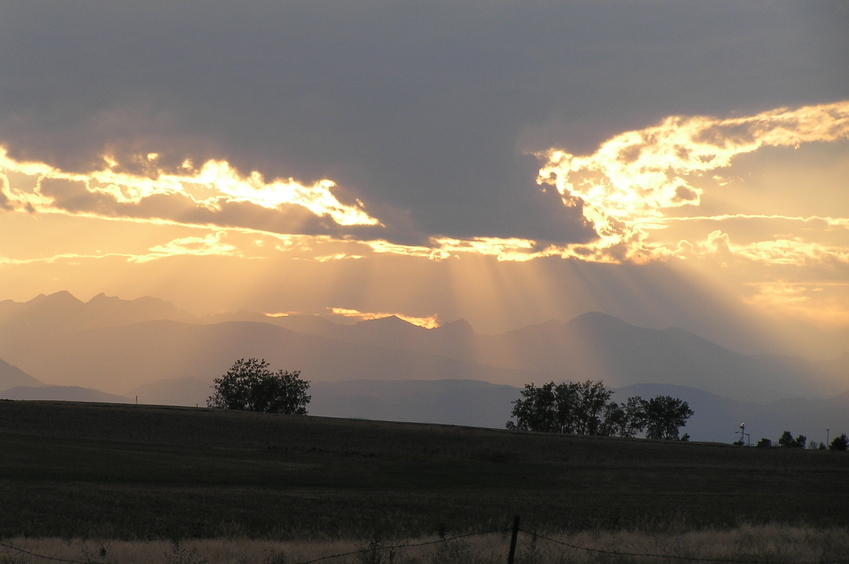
[756, 544]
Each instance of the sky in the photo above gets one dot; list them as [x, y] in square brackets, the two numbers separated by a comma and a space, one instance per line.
[669, 162]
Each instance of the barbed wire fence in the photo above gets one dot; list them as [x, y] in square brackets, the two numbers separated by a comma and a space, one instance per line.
[46, 557]
[381, 548]
[675, 557]
[533, 535]
[377, 550]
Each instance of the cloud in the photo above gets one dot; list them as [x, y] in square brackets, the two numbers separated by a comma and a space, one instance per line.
[816, 302]
[5, 203]
[213, 194]
[210, 244]
[428, 109]
[629, 186]
[429, 322]
[628, 191]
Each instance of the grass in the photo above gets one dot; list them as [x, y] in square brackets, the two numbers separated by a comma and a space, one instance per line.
[756, 544]
[153, 474]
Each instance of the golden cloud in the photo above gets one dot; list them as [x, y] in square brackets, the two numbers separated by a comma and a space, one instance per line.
[213, 188]
[821, 303]
[628, 190]
[628, 185]
[429, 322]
[210, 244]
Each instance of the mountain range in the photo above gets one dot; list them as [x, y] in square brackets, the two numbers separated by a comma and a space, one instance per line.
[388, 368]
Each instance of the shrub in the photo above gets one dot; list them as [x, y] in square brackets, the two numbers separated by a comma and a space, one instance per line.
[251, 386]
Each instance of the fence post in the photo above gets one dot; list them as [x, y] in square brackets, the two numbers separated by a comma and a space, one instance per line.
[512, 554]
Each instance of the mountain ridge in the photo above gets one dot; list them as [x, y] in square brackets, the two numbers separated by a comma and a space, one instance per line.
[12, 377]
[116, 345]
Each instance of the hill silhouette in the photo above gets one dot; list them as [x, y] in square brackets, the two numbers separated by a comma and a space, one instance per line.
[118, 345]
[12, 376]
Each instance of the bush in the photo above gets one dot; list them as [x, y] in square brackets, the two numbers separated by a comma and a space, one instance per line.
[250, 385]
[787, 440]
[839, 443]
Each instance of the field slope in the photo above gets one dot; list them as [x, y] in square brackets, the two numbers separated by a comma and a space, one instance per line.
[139, 472]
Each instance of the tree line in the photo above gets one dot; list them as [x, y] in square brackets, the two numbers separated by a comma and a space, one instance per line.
[586, 408]
[575, 408]
[580, 408]
[786, 440]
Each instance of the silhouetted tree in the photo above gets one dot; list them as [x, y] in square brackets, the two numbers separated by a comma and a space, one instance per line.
[612, 420]
[635, 417]
[839, 443]
[536, 410]
[787, 440]
[581, 408]
[585, 408]
[764, 443]
[250, 385]
[593, 404]
[665, 415]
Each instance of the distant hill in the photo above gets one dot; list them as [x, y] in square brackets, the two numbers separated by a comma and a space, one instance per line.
[118, 345]
[837, 368]
[119, 358]
[452, 402]
[175, 391]
[481, 404]
[718, 419]
[61, 393]
[601, 347]
[12, 376]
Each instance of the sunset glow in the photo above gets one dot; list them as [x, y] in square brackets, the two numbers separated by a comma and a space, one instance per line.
[426, 322]
[120, 194]
[657, 164]
[631, 184]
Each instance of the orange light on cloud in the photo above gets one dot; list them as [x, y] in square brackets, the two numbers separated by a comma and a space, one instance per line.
[630, 183]
[210, 244]
[819, 303]
[215, 182]
[628, 189]
[429, 322]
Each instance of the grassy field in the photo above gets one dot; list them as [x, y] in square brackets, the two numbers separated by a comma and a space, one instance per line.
[746, 544]
[83, 471]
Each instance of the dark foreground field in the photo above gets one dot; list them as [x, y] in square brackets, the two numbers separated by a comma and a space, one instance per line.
[139, 472]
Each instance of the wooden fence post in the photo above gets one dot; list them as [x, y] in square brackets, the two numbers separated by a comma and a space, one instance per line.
[512, 554]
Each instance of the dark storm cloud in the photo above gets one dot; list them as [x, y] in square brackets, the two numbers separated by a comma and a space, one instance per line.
[425, 110]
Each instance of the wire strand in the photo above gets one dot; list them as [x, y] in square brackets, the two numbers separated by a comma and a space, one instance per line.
[671, 556]
[414, 545]
[53, 558]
